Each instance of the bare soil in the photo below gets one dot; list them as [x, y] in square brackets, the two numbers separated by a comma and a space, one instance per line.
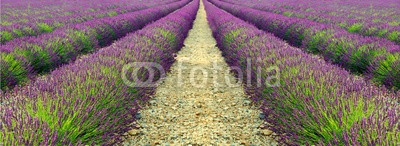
[195, 105]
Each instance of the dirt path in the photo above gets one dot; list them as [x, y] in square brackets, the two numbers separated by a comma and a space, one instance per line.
[195, 108]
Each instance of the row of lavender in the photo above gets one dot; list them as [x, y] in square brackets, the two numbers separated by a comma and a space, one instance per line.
[308, 101]
[363, 9]
[357, 9]
[24, 58]
[377, 59]
[365, 25]
[87, 102]
[35, 26]
[20, 10]
[17, 11]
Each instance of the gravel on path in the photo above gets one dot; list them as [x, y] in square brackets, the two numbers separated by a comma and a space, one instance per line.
[196, 105]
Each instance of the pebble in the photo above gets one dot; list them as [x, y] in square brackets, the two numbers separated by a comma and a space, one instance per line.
[267, 132]
[133, 132]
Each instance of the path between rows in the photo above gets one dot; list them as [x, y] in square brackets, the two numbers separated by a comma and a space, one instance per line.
[197, 111]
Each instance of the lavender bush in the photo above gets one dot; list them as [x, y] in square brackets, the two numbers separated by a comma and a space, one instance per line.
[316, 102]
[87, 102]
[16, 11]
[35, 26]
[23, 58]
[375, 58]
[368, 18]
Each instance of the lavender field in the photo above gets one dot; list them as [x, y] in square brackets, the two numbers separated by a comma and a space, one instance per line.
[200, 72]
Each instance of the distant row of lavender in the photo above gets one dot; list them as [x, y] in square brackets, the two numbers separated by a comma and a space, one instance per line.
[384, 9]
[35, 26]
[376, 11]
[309, 101]
[364, 25]
[375, 58]
[87, 102]
[22, 59]
[21, 10]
